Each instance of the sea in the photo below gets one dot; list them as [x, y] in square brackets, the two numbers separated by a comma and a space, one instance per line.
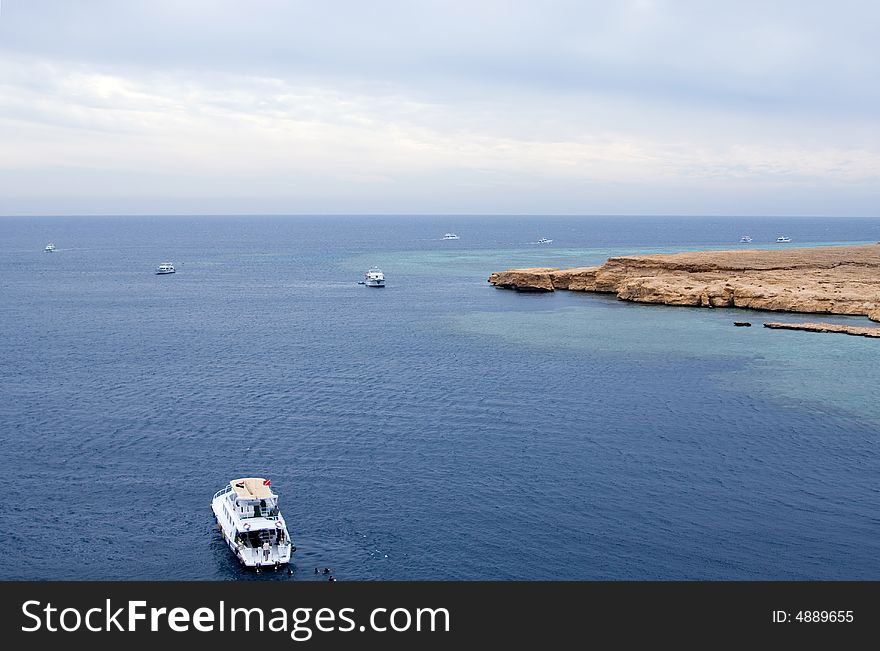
[438, 428]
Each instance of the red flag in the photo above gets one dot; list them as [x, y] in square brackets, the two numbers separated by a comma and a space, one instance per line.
[266, 482]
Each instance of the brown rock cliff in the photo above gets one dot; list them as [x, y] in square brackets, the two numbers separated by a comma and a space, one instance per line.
[832, 280]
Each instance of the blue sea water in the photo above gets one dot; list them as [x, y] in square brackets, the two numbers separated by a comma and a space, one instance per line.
[436, 429]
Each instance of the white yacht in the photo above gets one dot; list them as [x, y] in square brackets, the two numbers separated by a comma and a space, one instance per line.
[544, 240]
[783, 239]
[247, 513]
[165, 268]
[745, 239]
[450, 236]
[374, 277]
[49, 248]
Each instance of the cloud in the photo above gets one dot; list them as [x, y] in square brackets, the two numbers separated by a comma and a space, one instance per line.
[425, 107]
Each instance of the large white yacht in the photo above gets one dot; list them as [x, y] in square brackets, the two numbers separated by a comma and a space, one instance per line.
[49, 248]
[450, 236]
[544, 240]
[374, 277]
[783, 239]
[247, 512]
[165, 268]
[745, 239]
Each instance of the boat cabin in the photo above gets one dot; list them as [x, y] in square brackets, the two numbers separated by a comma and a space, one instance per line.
[253, 498]
[259, 538]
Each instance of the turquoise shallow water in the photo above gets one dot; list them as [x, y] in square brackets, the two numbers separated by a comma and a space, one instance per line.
[437, 429]
[473, 262]
[782, 366]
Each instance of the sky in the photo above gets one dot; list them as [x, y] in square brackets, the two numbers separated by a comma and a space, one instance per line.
[678, 107]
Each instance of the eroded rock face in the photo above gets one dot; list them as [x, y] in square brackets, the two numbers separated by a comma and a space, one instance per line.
[831, 280]
[580, 279]
[535, 279]
[546, 279]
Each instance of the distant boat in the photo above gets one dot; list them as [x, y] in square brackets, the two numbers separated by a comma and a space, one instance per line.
[165, 268]
[745, 239]
[450, 236]
[374, 277]
[544, 240]
[49, 248]
[783, 239]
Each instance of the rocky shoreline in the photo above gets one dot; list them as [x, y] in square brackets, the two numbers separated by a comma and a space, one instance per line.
[857, 331]
[818, 280]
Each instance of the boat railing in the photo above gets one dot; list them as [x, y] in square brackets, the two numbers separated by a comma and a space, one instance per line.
[250, 516]
[222, 491]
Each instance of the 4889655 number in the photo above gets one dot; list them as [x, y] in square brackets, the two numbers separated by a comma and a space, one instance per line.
[822, 616]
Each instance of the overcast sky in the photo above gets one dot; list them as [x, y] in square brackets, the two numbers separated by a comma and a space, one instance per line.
[482, 106]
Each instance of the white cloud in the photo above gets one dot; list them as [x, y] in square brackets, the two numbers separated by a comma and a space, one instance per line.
[92, 128]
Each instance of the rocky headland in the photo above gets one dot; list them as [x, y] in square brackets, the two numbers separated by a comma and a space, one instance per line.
[821, 280]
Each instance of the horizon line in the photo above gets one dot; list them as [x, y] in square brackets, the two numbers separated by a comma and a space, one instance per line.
[445, 214]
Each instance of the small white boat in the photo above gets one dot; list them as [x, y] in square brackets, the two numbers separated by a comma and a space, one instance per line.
[49, 248]
[374, 277]
[745, 239]
[165, 268]
[783, 239]
[450, 236]
[544, 240]
[247, 513]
